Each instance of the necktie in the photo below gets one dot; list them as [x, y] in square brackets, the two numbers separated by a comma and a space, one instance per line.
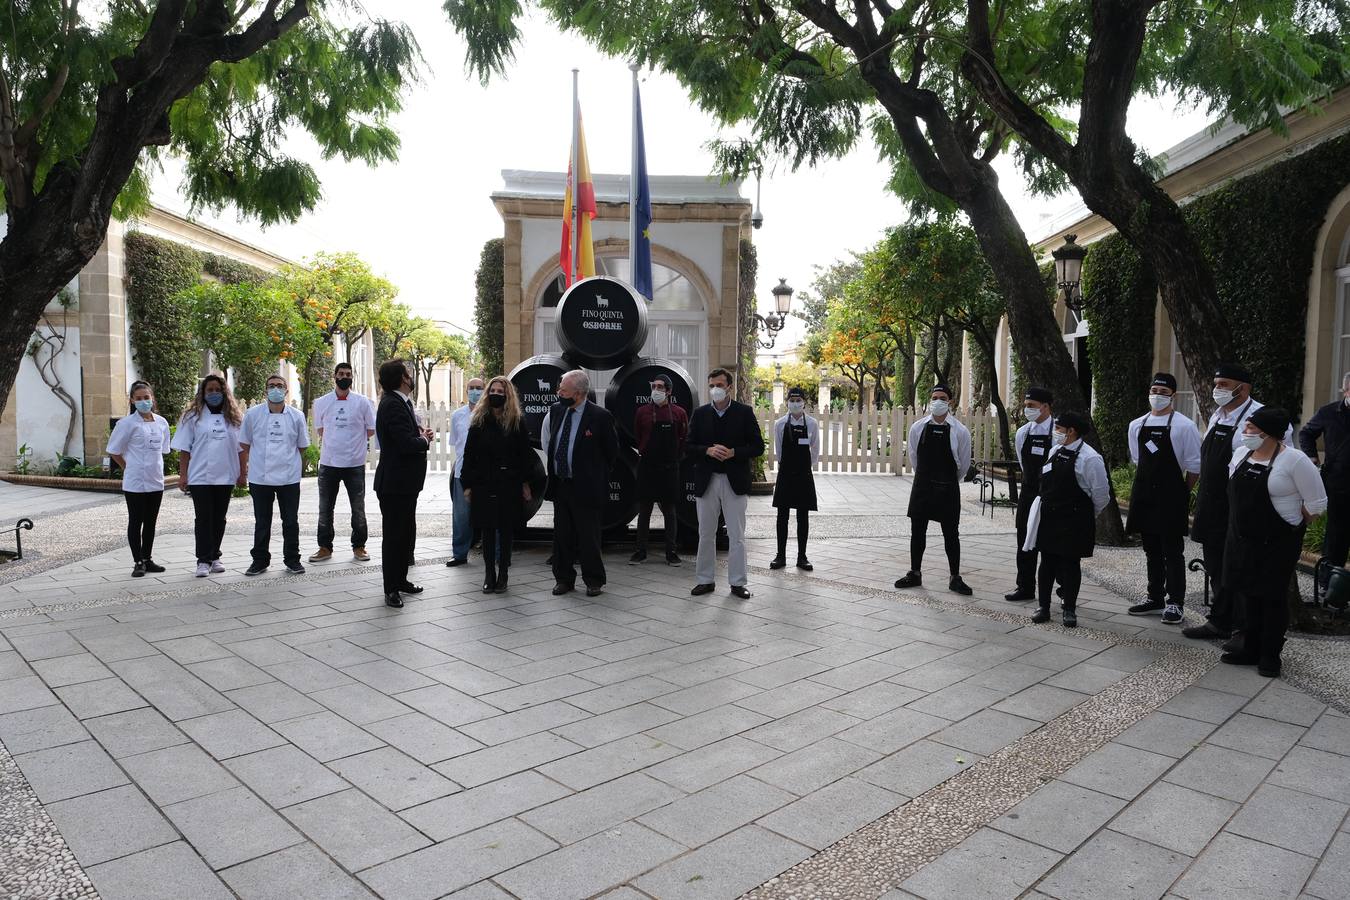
[560, 462]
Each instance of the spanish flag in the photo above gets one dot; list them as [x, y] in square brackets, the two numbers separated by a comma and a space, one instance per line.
[585, 192]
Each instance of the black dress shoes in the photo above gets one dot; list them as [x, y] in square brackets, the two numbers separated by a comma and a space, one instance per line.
[501, 584]
[701, 589]
[1070, 619]
[741, 591]
[152, 567]
[409, 588]
[394, 599]
[958, 586]
[777, 562]
[805, 564]
[1041, 616]
[452, 562]
[1019, 597]
[560, 589]
[911, 579]
[490, 586]
[594, 591]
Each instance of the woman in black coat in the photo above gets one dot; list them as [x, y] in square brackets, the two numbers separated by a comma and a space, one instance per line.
[498, 462]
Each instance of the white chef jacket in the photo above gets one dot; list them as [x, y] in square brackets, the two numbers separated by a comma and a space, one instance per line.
[1089, 470]
[344, 428]
[1185, 437]
[459, 435]
[1294, 483]
[214, 445]
[960, 440]
[1238, 418]
[274, 441]
[143, 444]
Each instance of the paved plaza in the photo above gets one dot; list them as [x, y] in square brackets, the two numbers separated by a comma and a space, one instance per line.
[290, 736]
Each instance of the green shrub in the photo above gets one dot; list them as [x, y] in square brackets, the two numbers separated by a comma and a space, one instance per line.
[1122, 480]
[1120, 343]
[489, 287]
[310, 460]
[157, 271]
[1312, 538]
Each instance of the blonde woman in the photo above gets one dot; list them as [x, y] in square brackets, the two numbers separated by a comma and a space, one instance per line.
[210, 464]
[498, 460]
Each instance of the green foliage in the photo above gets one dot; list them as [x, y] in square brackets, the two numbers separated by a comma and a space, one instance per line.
[1124, 298]
[489, 288]
[231, 271]
[1122, 477]
[747, 272]
[1315, 535]
[23, 461]
[309, 459]
[157, 272]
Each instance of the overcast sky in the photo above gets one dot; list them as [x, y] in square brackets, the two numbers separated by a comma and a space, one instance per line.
[422, 221]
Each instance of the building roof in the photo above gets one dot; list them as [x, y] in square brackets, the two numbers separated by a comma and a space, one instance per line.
[682, 189]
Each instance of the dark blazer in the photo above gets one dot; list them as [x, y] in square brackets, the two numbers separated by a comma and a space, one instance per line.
[593, 454]
[1332, 424]
[402, 468]
[737, 429]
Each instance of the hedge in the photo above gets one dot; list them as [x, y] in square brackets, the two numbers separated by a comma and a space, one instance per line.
[488, 315]
[157, 270]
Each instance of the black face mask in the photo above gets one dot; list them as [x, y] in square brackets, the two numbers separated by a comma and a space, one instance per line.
[496, 401]
[344, 384]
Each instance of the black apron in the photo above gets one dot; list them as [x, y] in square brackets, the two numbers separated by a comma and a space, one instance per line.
[1211, 502]
[937, 491]
[795, 487]
[658, 472]
[1159, 499]
[1258, 536]
[1031, 462]
[1068, 525]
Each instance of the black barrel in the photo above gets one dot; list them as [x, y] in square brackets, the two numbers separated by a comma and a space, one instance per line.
[630, 388]
[538, 484]
[536, 380]
[686, 513]
[601, 323]
[621, 507]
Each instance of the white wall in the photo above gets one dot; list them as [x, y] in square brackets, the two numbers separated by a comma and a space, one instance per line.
[41, 419]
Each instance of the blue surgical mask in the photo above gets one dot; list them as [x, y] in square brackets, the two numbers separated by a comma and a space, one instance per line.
[214, 399]
[145, 406]
[276, 395]
[475, 394]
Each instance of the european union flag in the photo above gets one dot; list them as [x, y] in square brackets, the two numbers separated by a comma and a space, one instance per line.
[642, 206]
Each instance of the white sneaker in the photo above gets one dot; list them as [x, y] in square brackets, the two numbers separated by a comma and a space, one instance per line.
[217, 568]
[203, 569]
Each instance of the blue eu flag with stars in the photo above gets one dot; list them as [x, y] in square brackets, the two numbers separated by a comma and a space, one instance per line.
[642, 208]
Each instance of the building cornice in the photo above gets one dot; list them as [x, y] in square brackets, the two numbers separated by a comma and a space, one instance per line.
[157, 220]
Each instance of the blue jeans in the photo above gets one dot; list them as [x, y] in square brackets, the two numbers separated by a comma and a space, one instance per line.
[461, 534]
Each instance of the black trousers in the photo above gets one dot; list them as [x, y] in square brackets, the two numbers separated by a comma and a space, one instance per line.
[576, 538]
[1068, 571]
[354, 480]
[1336, 542]
[1166, 558]
[497, 550]
[287, 498]
[398, 514]
[142, 514]
[1026, 564]
[1222, 614]
[210, 502]
[645, 524]
[803, 530]
[918, 543]
[1265, 606]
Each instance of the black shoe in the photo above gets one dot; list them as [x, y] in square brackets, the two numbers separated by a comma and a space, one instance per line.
[911, 579]
[152, 567]
[1235, 644]
[1237, 659]
[958, 586]
[638, 557]
[138, 571]
[777, 563]
[1018, 596]
[673, 559]
[295, 568]
[1148, 608]
[489, 585]
[701, 589]
[594, 591]
[256, 569]
[1070, 619]
[1268, 670]
[805, 564]
[1172, 615]
[741, 591]
[409, 588]
[393, 599]
[1041, 616]
[560, 589]
[501, 584]
[1204, 632]
[453, 562]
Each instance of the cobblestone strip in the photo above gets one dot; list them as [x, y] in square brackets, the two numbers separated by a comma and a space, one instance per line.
[35, 861]
[879, 856]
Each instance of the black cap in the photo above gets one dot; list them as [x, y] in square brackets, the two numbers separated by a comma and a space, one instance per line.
[796, 391]
[941, 387]
[1234, 372]
[1040, 395]
[1164, 379]
[1077, 421]
[1272, 422]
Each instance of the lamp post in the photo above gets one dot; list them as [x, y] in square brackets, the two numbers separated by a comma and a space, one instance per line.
[1069, 273]
[774, 321]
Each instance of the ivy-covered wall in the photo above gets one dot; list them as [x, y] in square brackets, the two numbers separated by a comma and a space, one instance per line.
[489, 288]
[161, 341]
[1259, 234]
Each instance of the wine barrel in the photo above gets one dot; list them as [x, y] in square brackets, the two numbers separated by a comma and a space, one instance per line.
[621, 506]
[538, 483]
[601, 323]
[686, 513]
[630, 388]
[536, 382]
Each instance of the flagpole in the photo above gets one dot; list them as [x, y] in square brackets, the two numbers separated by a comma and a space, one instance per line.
[632, 183]
[576, 176]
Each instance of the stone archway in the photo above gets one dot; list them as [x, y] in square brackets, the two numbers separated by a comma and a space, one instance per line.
[1328, 285]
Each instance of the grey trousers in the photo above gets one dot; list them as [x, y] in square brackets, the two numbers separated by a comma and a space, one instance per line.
[720, 498]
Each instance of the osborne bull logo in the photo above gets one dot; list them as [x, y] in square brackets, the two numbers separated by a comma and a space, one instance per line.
[601, 302]
[544, 385]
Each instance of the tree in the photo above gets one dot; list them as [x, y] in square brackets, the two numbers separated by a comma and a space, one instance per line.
[813, 304]
[857, 345]
[392, 337]
[92, 96]
[429, 347]
[1253, 59]
[489, 285]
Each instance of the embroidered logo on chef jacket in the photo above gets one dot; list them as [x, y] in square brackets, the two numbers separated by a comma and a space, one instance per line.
[217, 427]
[275, 429]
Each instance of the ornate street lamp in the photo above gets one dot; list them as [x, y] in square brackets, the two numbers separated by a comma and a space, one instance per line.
[1069, 273]
[774, 321]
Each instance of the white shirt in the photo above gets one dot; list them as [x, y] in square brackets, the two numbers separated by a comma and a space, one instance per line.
[960, 440]
[1293, 484]
[812, 438]
[1237, 417]
[1185, 436]
[1089, 470]
[344, 427]
[1030, 428]
[275, 440]
[459, 434]
[214, 445]
[546, 431]
[143, 444]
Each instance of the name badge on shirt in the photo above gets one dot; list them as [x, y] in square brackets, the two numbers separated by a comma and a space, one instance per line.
[274, 433]
[340, 421]
[1150, 447]
[1038, 450]
[218, 429]
[806, 441]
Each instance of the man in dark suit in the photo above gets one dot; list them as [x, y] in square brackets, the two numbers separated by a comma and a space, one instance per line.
[582, 445]
[399, 476]
[723, 437]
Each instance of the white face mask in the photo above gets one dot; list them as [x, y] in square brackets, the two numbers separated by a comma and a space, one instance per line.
[1222, 397]
[1159, 402]
[718, 394]
[796, 407]
[1031, 413]
[659, 397]
[1252, 441]
[1061, 438]
[1347, 401]
[939, 407]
